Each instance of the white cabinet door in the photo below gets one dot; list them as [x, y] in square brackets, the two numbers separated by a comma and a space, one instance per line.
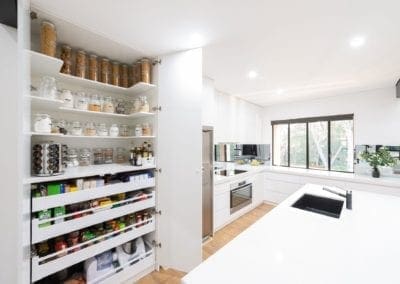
[179, 156]
[258, 188]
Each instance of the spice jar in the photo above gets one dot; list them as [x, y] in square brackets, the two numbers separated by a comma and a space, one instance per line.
[72, 158]
[48, 39]
[105, 71]
[76, 128]
[73, 240]
[121, 155]
[138, 130]
[144, 105]
[102, 130]
[48, 88]
[108, 105]
[60, 245]
[66, 56]
[95, 104]
[146, 129]
[80, 66]
[42, 123]
[54, 127]
[93, 68]
[68, 98]
[120, 107]
[124, 130]
[136, 106]
[90, 129]
[84, 157]
[98, 156]
[145, 69]
[114, 130]
[108, 155]
[124, 76]
[81, 101]
[115, 74]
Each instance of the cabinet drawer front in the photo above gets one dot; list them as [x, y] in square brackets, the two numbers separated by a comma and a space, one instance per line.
[274, 197]
[221, 201]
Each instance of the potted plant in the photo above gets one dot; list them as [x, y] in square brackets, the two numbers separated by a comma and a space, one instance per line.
[381, 158]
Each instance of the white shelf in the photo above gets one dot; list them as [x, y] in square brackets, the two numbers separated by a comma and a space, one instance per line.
[44, 65]
[46, 202]
[45, 233]
[92, 170]
[52, 135]
[105, 114]
[40, 271]
[45, 103]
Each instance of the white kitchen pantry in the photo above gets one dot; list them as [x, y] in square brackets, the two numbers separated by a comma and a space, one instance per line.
[199, 141]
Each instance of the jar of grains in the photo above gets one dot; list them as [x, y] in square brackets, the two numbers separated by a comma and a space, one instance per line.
[93, 68]
[84, 157]
[90, 129]
[124, 130]
[136, 69]
[105, 71]
[146, 129]
[66, 56]
[80, 66]
[102, 130]
[115, 74]
[81, 101]
[108, 155]
[145, 70]
[124, 76]
[98, 156]
[95, 104]
[48, 39]
[108, 105]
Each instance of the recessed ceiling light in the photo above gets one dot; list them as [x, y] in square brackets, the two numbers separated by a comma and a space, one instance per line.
[252, 74]
[357, 41]
[279, 91]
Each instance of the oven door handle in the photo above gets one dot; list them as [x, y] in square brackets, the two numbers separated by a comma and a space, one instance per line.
[241, 187]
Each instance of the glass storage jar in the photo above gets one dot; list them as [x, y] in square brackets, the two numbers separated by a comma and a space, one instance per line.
[114, 130]
[93, 68]
[146, 129]
[124, 76]
[72, 158]
[54, 127]
[145, 69]
[62, 126]
[42, 123]
[121, 155]
[144, 105]
[68, 98]
[124, 130]
[48, 87]
[84, 157]
[105, 71]
[136, 106]
[95, 104]
[48, 38]
[98, 156]
[102, 130]
[136, 72]
[80, 65]
[81, 101]
[138, 130]
[108, 155]
[108, 105]
[76, 128]
[66, 57]
[90, 129]
[120, 107]
[115, 74]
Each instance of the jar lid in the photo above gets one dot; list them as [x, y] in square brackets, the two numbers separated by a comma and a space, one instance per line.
[66, 46]
[81, 51]
[93, 55]
[48, 23]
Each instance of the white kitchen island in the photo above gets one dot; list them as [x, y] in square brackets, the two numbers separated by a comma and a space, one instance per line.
[289, 245]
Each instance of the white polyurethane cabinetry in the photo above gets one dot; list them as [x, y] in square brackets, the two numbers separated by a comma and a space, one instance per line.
[222, 215]
[180, 160]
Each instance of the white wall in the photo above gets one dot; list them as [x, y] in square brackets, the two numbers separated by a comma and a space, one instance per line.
[233, 119]
[376, 114]
[10, 222]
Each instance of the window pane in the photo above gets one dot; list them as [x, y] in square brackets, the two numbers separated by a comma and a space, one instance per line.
[318, 145]
[281, 145]
[342, 145]
[298, 145]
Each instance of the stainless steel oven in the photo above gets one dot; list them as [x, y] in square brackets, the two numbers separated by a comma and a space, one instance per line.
[241, 195]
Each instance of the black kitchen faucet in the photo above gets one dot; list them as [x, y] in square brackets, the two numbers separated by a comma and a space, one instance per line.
[348, 196]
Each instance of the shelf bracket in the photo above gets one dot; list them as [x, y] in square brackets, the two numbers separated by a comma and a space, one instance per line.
[157, 108]
[155, 244]
[155, 211]
[156, 61]
[158, 170]
[33, 15]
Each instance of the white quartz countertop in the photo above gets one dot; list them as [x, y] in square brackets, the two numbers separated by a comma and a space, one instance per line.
[390, 181]
[289, 245]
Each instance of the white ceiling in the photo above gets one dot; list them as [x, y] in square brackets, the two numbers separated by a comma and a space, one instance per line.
[299, 47]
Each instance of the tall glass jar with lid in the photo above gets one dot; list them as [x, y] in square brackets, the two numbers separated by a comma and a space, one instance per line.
[108, 105]
[95, 103]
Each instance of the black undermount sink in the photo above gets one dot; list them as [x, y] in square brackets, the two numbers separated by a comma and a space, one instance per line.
[321, 205]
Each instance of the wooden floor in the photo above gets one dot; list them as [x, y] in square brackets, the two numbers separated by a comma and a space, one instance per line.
[221, 238]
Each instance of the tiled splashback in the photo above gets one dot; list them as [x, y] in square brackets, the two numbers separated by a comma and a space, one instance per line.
[361, 167]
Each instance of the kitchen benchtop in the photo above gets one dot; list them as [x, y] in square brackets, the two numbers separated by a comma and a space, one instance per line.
[289, 245]
[390, 181]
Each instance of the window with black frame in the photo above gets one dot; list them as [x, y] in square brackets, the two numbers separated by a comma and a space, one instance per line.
[320, 143]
